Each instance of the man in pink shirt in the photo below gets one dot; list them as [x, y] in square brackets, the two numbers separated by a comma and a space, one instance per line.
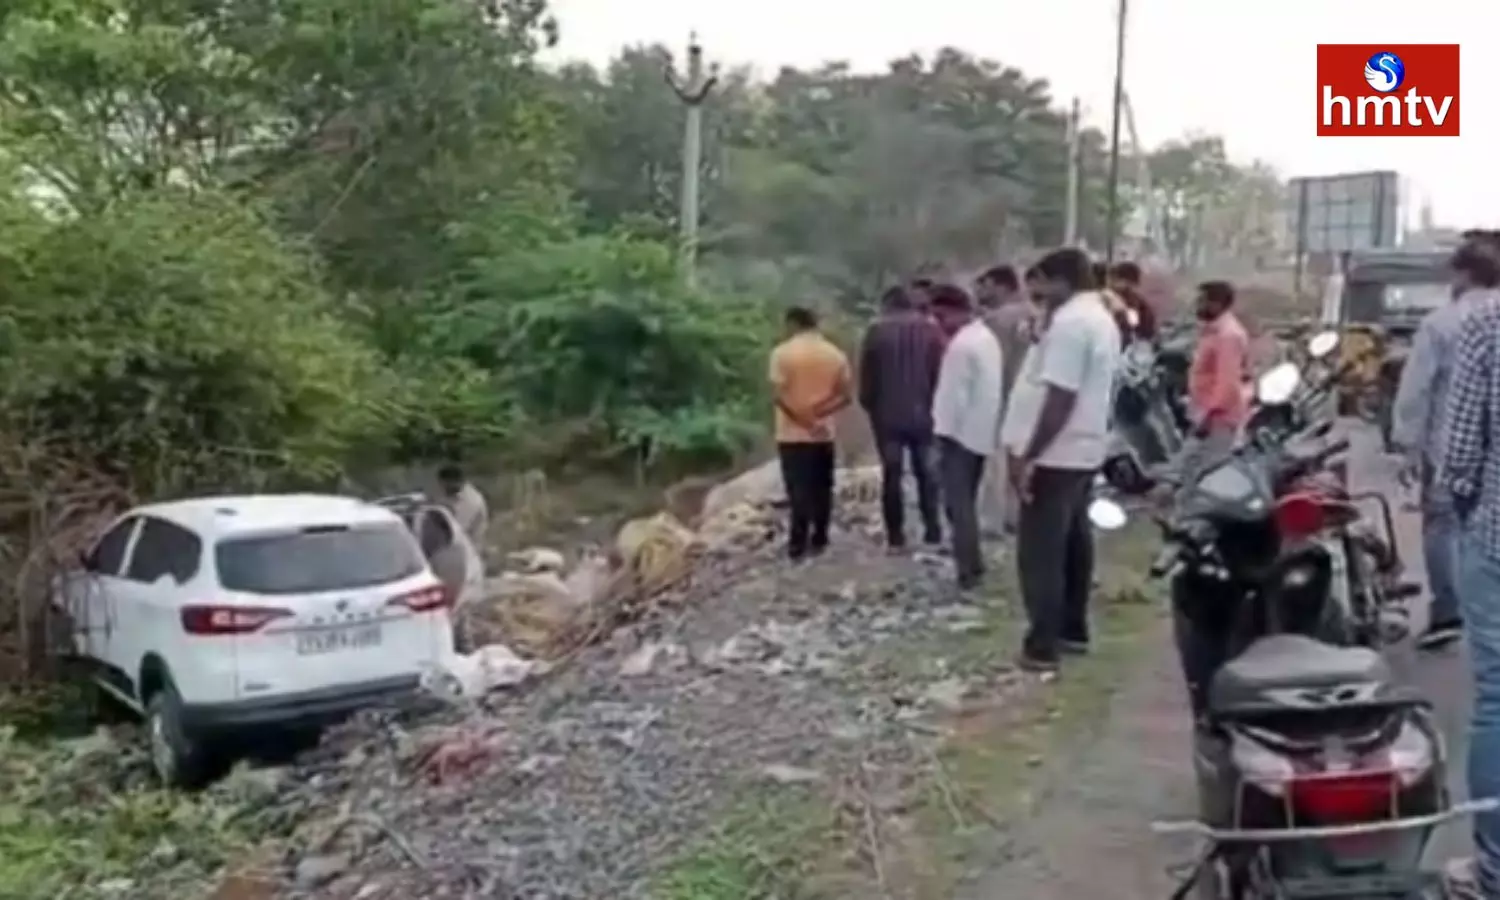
[1216, 383]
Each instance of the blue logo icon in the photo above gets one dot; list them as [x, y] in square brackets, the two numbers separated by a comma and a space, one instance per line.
[1385, 72]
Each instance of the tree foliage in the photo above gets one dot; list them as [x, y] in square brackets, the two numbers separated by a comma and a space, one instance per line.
[856, 179]
[1210, 208]
[276, 242]
[264, 241]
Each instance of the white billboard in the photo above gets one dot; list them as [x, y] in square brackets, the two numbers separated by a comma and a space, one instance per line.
[1340, 213]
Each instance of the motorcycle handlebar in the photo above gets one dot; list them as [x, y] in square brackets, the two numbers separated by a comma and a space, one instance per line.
[1301, 465]
[1164, 561]
[1326, 453]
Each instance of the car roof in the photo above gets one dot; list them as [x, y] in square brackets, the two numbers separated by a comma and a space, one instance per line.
[261, 513]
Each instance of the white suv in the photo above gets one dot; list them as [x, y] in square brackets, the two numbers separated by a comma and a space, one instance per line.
[216, 614]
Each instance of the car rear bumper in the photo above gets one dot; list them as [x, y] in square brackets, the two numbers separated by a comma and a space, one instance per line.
[304, 708]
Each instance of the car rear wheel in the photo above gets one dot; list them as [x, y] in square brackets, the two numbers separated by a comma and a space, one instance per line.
[179, 760]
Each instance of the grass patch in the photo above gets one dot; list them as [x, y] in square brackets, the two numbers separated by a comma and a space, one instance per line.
[80, 818]
[986, 774]
[769, 847]
[998, 764]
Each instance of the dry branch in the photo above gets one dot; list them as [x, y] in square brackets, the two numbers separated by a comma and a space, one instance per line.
[51, 507]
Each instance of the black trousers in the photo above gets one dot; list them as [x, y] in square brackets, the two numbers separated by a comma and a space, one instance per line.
[895, 446]
[1055, 556]
[807, 472]
[962, 470]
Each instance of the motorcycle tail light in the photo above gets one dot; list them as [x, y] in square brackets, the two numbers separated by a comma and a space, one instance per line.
[1299, 516]
[1344, 798]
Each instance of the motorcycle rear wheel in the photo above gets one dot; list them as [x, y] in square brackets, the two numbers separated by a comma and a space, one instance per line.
[1210, 883]
[1214, 882]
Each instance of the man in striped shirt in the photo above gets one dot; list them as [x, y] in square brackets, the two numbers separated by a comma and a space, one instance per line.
[1416, 427]
[1468, 471]
[898, 371]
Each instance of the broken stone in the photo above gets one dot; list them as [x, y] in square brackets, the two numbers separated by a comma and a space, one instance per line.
[947, 694]
[782, 774]
[535, 560]
[313, 872]
[642, 661]
[116, 887]
[847, 593]
[760, 485]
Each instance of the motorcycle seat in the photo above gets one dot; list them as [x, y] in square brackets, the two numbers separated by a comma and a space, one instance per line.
[1296, 671]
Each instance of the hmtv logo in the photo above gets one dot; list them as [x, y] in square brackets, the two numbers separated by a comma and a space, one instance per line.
[1372, 90]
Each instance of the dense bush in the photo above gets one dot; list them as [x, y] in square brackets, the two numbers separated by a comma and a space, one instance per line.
[264, 246]
[176, 339]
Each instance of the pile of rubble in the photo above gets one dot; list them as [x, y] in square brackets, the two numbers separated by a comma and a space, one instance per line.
[541, 609]
[683, 664]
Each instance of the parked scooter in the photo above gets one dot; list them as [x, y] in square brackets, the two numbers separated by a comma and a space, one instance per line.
[1146, 432]
[1319, 776]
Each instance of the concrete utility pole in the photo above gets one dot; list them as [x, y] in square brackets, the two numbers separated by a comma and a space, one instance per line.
[1112, 225]
[692, 93]
[1075, 142]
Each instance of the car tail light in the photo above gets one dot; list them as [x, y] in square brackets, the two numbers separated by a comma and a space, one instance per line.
[1346, 797]
[216, 620]
[423, 600]
[1299, 515]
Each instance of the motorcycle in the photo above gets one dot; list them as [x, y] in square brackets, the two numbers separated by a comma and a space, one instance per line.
[1287, 402]
[1367, 579]
[1319, 775]
[1147, 431]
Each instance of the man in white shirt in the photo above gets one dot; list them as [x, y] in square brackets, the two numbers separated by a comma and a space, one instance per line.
[966, 420]
[1008, 313]
[467, 504]
[1055, 434]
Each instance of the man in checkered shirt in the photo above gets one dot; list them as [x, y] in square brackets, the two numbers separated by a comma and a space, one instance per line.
[1469, 470]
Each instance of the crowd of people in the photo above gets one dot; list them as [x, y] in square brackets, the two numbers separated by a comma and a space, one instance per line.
[997, 399]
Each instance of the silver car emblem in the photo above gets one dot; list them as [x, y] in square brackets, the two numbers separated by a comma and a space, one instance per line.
[341, 605]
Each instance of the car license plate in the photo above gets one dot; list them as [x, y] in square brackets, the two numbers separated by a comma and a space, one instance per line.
[332, 640]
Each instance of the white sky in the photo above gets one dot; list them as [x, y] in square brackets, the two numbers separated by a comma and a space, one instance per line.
[1243, 70]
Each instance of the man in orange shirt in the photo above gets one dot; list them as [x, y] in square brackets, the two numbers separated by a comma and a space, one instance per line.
[1216, 382]
[811, 380]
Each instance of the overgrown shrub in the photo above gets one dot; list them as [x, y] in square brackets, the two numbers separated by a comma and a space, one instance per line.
[177, 341]
[602, 329]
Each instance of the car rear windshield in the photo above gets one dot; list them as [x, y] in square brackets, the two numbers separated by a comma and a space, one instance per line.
[318, 559]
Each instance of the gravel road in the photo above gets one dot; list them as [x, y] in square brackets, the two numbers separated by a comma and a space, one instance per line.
[1090, 838]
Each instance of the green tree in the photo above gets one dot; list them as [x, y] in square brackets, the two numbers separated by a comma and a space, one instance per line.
[175, 340]
[395, 118]
[866, 177]
[102, 97]
[1210, 207]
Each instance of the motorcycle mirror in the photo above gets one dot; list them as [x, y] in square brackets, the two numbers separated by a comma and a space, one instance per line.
[1322, 344]
[1107, 515]
[1278, 384]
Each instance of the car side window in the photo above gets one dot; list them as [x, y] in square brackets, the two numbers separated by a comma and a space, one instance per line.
[434, 532]
[108, 556]
[165, 549]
